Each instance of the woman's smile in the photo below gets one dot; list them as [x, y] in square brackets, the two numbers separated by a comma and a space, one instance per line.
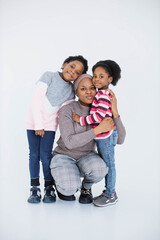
[89, 97]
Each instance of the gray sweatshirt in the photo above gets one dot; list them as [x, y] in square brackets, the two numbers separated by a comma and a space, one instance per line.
[76, 140]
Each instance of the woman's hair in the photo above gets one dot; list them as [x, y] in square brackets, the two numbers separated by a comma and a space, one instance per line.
[111, 67]
[79, 79]
[80, 59]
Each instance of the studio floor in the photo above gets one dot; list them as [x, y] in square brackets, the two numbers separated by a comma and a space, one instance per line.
[135, 216]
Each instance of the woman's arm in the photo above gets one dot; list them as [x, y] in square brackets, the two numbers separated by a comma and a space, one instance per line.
[120, 129]
[72, 139]
[117, 120]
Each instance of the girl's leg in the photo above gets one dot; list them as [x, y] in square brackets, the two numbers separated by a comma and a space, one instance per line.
[106, 150]
[34, 156]
[46, 145]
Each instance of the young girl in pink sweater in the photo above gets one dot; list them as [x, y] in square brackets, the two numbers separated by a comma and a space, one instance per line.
[51, 91]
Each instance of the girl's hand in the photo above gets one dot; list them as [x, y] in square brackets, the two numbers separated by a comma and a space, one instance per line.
[40, 132]
[76, 117]
[113, 100]
[105, 125]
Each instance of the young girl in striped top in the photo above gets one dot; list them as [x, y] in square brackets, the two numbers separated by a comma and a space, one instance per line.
[104, 73]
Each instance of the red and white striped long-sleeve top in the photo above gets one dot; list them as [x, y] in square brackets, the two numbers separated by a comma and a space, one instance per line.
[100, 109]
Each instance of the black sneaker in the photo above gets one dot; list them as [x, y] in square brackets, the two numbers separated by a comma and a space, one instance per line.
[35, 196]
[86, 196]
[49, 196]
[66, 198]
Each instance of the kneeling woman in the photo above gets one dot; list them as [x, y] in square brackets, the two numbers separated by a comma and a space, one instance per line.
[75, 155]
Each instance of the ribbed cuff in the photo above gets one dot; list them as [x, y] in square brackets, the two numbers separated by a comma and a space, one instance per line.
[35, 182]
[49, 183]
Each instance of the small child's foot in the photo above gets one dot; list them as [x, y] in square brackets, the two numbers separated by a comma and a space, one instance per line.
[105, 200]
[49, 196]
[35, 196]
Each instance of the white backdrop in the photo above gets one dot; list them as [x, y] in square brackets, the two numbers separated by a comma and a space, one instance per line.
[36, 36]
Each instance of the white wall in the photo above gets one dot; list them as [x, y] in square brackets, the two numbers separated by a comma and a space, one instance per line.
[36, 36]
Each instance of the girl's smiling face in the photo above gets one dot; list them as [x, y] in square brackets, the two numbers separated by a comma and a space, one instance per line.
[86, 91]
[72, 70]
[101, 78]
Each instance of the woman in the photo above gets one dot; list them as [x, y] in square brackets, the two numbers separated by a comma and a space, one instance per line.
[75, 155]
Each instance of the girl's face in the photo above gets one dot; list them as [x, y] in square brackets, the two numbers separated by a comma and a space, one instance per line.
[101, 78]
[86, 91]
[71, 71]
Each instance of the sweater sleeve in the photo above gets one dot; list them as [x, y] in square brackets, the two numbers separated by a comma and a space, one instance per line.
[38, 100]
[70, 138]
[102, 110]
[37, 105]
[120, 129]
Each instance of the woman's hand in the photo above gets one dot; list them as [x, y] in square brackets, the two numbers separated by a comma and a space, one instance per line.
[40, 132]
[113, 100]
[76, 117]
[105, 125]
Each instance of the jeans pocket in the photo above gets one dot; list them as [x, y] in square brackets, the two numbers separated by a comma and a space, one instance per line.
[114, 137]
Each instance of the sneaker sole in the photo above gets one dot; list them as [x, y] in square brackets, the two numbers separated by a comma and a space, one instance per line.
[105, 205]
[49, 201]
[34, 202]
[85, 202]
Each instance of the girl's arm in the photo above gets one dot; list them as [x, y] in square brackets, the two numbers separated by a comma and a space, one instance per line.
[72, 139]
[38, 101]
[103, 110]
[37, 105]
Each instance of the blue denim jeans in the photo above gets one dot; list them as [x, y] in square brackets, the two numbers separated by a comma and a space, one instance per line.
[105, 149]
[40, 149]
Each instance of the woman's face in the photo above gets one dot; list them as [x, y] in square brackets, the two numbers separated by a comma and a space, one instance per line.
[86, 91]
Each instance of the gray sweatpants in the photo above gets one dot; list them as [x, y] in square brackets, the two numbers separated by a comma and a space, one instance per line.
[67, 172]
